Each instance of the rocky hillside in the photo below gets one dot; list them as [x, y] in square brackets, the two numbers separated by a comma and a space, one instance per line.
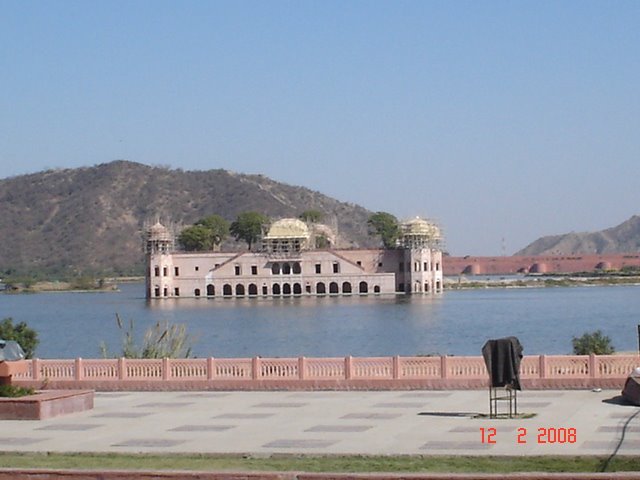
[623, 238]
[90, 220]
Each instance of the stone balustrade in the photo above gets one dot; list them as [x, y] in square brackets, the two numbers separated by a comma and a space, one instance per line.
[302, 373]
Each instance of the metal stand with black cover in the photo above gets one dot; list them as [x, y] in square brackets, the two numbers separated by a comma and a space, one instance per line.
[506, 394]
[502, 358]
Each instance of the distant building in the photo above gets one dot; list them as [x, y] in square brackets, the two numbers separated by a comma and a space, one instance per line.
[296, 259]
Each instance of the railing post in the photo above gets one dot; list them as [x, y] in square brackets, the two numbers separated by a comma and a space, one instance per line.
[35, 369]
[78, 369]
[122, 369]
[396, 367]
[593, 365]
[211, 368]
[347, 367]
[255, 368]
[302, 368]
[166, 369]
[443, 366]
[542, 366]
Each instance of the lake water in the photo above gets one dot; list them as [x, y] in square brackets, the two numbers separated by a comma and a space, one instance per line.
[456, 323]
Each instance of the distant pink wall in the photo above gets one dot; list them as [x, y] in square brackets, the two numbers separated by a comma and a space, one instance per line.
[546, 264]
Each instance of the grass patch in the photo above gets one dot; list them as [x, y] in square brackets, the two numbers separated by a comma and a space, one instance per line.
[14, 391]
[309, 463]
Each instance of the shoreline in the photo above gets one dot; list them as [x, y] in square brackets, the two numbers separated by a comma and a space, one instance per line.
[463, 282]
[458, 282]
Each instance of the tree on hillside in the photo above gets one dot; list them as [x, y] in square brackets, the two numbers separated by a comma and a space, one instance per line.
[311, 216]
[322, 241]
[218, 228]
[385, 225]
[594, 342]
[248, 227]
[195, 238]
[206, 234]
[26, 337]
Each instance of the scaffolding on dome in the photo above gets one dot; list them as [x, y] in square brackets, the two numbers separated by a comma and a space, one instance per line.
[420, 233]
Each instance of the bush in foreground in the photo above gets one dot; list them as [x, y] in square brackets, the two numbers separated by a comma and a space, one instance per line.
[594, 342]
[14, 391]
[163, 340]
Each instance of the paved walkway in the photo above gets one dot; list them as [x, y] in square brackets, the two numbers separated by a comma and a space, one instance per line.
[393, 422]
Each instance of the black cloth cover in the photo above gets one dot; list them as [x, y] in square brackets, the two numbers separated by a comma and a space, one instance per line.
[502, 358]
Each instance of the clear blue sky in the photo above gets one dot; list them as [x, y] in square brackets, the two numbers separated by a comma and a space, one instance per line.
[499, 119]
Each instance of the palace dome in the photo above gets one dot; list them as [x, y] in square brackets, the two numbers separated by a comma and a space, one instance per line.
[159, 232]
[288, 228]
[419, 227]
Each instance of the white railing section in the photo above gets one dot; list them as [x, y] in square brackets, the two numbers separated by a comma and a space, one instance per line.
[347, 368]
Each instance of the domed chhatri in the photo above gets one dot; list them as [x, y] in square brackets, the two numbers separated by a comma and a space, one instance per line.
[288, 228]
[159, 239]
[159, 232]
[297, 259]
[418, 232]
[286, 236]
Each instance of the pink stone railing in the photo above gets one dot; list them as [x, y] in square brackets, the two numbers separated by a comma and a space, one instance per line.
[543, 367]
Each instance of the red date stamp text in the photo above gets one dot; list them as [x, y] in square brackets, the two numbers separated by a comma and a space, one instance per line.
[543, 435]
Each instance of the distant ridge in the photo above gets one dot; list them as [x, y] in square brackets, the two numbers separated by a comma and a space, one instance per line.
[624, 238]
[90, 220]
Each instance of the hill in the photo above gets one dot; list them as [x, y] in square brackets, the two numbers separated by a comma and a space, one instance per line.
[87, 221]
[624, 238]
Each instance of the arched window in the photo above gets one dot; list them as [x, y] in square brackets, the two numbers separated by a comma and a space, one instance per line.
[276, 289]
[275, 268]
[333, 287]
[227, 291]
[211, 290]
[196, 292]
[376, 289]
[321, 289]
[286, 269]
[296, 268]
[253, 289]
[286, 289]
[297, 289]
[346, 287]
[363, 287]
[239, 290]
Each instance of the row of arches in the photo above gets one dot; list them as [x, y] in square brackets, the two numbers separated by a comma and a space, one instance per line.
[321, 288]
[286, 268]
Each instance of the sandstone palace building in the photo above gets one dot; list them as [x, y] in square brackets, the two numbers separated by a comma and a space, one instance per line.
[289, 264]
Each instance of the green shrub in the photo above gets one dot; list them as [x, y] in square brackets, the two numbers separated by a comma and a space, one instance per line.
[594, 342]
[14, 391]
[163, 340]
